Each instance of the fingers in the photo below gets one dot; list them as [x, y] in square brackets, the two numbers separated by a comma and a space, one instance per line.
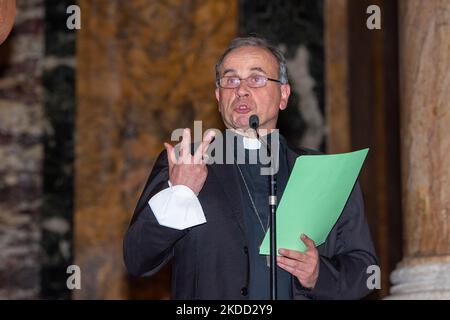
[201, 150]
[302, 265]
[292, 262]
[296, 269]
[305, 266]
[292, 254]
[294, 258]
[171, 159]
[185, 156]
[309, 243]
[185, 146]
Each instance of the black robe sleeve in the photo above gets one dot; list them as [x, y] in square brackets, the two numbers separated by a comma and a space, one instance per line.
[147, 245]
[345, 256]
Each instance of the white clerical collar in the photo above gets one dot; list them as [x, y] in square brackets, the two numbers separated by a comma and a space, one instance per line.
[251, 143]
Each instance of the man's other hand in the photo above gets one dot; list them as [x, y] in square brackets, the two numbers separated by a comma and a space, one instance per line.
[305, 266]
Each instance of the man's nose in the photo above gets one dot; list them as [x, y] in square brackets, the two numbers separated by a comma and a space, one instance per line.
[242, 90]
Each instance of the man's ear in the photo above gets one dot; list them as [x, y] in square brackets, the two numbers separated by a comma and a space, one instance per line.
[285, 93]
[218, 98]
[217, 94]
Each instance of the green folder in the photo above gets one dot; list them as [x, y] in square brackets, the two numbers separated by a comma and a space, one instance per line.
[315, 195]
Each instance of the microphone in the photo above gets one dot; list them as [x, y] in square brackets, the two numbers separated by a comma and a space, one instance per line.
[253, 122]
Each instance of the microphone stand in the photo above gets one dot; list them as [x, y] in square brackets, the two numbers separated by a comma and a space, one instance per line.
[273, 230]
[272, 218]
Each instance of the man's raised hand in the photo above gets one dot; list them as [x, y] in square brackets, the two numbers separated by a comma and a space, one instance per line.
[189, 170]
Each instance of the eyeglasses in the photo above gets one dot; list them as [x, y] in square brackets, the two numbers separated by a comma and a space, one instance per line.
[253, 81]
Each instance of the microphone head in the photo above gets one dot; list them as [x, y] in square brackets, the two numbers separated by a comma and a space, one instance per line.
[253, 121]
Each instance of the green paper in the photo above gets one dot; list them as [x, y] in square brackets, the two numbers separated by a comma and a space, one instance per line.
[315, 195]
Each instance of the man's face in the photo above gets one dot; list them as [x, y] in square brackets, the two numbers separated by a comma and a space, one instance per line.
[238, 104]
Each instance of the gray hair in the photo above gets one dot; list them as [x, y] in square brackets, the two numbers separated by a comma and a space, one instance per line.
[255, 42]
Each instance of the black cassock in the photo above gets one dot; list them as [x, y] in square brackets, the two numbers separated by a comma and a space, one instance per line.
[212, 260]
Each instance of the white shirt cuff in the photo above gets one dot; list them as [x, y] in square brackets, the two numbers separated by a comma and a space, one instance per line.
[177, 207]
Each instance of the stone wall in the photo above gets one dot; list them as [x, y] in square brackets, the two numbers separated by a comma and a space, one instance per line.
[36, 151]
[21, 153]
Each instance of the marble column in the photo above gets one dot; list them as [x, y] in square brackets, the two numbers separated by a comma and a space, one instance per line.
[144, 69]
[362, 110]
[424, 28]
[337, 104]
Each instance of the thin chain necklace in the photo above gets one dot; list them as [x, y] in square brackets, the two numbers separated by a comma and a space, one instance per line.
[251, 200]
[255, 210]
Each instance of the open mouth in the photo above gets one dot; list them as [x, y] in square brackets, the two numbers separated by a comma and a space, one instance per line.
[242, 108]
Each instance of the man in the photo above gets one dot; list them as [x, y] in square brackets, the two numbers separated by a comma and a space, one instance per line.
[210, 219]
